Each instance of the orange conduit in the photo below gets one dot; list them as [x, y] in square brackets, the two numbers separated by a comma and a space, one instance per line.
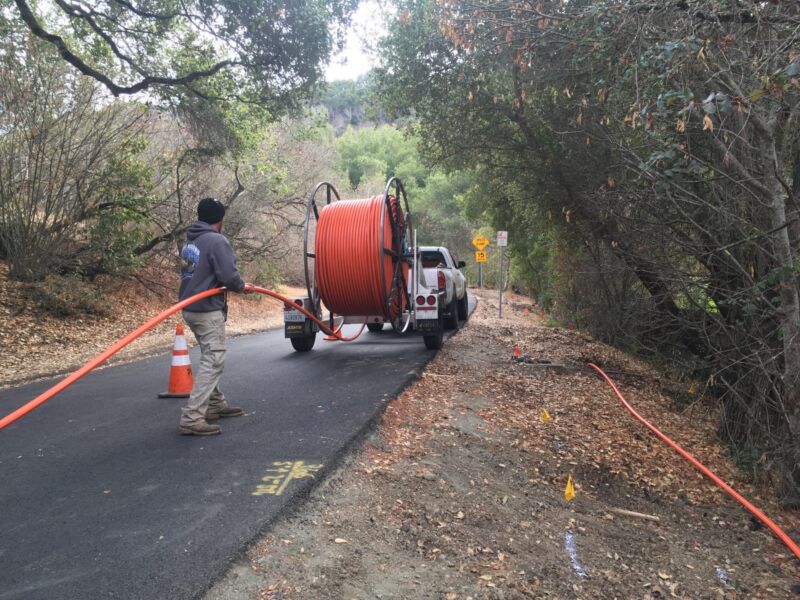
[119, 345]
[705, 470]
[350, 262]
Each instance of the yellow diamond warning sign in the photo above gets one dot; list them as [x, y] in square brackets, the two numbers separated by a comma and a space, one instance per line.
[480, 243]
[480, 256]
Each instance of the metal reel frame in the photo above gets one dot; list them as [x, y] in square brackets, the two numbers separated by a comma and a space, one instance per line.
[401, 252]
[313, 210]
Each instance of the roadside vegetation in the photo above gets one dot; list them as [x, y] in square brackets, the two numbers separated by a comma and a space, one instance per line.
[645, 159]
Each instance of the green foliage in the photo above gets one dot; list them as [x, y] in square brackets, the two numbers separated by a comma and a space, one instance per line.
[73, 192]
[262, 52]
[267, 273]
[121, 222]
[640, 156]
[345, 101]
[379, 153]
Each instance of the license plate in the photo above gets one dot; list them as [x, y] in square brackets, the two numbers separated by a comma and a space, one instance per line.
[294, 316]
[427, 324]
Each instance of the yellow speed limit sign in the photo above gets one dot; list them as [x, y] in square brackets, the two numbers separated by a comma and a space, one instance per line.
[480, 243]
[480, 256]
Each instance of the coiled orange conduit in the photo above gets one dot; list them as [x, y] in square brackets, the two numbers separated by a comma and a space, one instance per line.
[119, 345]
[704, 470]
[350, 257]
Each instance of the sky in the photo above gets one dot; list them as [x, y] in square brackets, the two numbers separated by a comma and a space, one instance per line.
[368, 24]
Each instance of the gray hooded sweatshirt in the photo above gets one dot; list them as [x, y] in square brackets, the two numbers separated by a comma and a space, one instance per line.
[207, 262]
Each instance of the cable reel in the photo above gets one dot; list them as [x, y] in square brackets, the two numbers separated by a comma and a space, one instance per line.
[357, 255]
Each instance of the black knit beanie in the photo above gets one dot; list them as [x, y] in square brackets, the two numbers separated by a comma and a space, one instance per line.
[210, 211]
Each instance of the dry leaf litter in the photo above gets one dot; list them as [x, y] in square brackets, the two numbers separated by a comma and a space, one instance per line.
[459, 493]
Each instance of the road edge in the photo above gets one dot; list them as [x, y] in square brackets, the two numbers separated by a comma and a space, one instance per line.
[340, 460]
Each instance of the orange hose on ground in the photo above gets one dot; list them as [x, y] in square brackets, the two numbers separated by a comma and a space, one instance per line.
[353, 272]
[119, 345]
[705, 470]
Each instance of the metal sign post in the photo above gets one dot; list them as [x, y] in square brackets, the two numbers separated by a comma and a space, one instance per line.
[502, 242]
[480, 258]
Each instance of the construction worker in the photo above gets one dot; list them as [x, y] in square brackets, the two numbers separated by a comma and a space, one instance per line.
[208, 262]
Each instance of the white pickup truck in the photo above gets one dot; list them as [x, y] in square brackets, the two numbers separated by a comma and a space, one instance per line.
[442, 272]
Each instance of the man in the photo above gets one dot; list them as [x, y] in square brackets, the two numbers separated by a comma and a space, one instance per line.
[208, 262]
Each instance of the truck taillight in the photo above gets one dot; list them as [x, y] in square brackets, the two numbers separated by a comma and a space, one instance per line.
[420, 300]
[431, 300]
[441, 281]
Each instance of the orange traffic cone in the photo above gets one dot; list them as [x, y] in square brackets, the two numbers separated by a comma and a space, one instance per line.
[517, 351]
[180, 374]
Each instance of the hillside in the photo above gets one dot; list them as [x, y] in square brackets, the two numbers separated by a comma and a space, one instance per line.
[46, 342]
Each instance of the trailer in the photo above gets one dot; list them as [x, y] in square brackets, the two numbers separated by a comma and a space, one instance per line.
[362, 266]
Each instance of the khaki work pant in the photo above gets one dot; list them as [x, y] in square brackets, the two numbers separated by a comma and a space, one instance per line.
[209, 330]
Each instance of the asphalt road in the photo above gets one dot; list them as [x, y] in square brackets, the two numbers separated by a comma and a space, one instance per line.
[101, 498]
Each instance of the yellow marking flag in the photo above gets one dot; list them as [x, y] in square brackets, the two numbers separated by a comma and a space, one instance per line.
[545, 416]
[569, 493]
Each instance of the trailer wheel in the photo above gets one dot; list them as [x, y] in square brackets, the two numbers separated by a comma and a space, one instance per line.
[304, 344]
[375, 327]
[451, 320]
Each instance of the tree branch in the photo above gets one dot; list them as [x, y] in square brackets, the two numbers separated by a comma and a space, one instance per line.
[117, 90]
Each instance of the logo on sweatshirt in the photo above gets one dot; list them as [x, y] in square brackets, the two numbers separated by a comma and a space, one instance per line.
[190, 256]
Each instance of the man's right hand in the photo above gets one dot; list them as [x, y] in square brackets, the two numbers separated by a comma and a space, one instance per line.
[249, 288]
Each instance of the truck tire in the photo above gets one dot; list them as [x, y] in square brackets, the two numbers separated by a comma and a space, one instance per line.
[463, 307]
[434, 342]
[375, 327]
[304, 344]
[451, 320]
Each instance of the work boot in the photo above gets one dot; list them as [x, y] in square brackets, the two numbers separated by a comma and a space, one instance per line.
[201, 428]
[228, 411]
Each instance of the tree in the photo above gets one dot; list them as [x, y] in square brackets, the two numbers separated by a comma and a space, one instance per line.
[257, 51]
[378, 153]
[656, 144]
[72, 192]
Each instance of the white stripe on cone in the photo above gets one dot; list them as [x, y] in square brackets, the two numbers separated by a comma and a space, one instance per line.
[180, 343]
[181, 360]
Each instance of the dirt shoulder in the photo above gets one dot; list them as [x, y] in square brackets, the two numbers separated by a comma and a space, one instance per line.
[39, 344]
[459, 493]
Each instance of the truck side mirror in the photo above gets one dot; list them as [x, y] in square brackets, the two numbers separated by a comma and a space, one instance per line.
[461, 264]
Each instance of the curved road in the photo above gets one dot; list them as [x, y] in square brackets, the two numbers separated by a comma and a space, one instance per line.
[101, 498]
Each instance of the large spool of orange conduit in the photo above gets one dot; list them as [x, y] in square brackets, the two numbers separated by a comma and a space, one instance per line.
[354, 269]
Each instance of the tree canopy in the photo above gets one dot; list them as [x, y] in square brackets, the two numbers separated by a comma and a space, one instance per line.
[645, 157]
[261, 51]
